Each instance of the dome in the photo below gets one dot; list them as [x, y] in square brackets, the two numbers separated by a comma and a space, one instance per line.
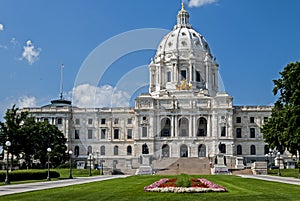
[183, 38]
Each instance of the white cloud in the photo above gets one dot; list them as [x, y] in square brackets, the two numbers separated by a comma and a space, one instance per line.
[1, 27]
[3, 46]
[104, 96]
[199, 3]
[30, 53]
[26, 101]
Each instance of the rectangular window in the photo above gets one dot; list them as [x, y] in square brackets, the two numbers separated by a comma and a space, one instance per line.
[90, 121]
[59, 121]
[144, 131]
[251, 119]
[77, 121]
[76, 134]
[198, 78]
[265, 119]
[103, 132]
[238, 120]
[129, 121]
[90, 134]
[252, 132]
[183, 74]
[223, 131]
[116, 133]
[169, 76]
[238, 132]
[116, 121]
[102, 121]
[129, 133]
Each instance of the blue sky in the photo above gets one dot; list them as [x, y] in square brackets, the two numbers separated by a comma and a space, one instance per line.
[252, 40]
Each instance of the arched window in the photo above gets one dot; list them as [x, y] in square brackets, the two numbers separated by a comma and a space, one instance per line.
[129, 150]
[145, 149]
[252, 150]
[183, 151]
[102, 150]
[165, 127]
[90, 150]
[239, 150]
[202, 127]
[76, 151]
[165, 150]
[201, 150]
[116, 150]
[183, 127]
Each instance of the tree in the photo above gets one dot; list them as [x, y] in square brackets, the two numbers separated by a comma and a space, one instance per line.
[30, 139]
[42, 135]
[283, 127]
[11, 130]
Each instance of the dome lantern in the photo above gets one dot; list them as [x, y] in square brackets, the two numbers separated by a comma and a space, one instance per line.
[183, 17]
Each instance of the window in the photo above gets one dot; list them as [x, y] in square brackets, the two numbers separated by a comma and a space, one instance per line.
[103, 133]
[76, 151]
[223, 131]
[129, 133]
[252, 150]
[76, 134]
[90, 121]
[144, 118]
[129, 121]
[102, 150]
[222, 148]
[90, 150]
[116, 121]
[90, 134]
[144, 131]
[252, 132]
[251, 119]
[183, 74]
[198, 78]
[59, 121]
[239, 150]
[77, 121]
[102, 121]
[238, 120]
[116, 150]
[129, 150]
[266, 119]
[169, 76]
[116, 133]
[238, 133]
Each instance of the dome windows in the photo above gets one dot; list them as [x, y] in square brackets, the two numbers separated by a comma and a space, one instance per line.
[183, 33]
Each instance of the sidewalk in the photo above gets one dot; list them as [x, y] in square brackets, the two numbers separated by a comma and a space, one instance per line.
[21, 188]
[287, 180]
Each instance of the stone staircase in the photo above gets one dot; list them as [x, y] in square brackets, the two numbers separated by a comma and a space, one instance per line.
[193, 166]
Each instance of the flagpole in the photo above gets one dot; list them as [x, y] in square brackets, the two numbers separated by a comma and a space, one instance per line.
[61, 82]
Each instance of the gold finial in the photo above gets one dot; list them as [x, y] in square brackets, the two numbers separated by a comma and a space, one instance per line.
[182, 6]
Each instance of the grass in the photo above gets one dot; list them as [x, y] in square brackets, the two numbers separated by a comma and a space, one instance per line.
[285, 172]
[131, 189]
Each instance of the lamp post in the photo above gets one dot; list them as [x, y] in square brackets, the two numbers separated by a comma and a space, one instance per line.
[267, 157]
[90, 155]
[8, 144]
[278, 155]
[70, 155]
[49, 151]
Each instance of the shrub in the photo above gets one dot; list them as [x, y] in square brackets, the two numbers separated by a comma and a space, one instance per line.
[21, 175]
[183, 180]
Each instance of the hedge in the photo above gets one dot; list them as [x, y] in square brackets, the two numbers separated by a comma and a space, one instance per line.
[21, 175]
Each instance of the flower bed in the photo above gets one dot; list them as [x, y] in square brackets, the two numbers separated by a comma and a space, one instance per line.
[198, 185]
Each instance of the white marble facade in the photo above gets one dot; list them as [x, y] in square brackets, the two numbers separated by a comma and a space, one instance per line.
[183, 115]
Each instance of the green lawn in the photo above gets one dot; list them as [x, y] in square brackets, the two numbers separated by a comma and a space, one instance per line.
[131, 188]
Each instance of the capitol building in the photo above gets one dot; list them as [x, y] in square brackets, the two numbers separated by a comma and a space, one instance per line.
[184, 115]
